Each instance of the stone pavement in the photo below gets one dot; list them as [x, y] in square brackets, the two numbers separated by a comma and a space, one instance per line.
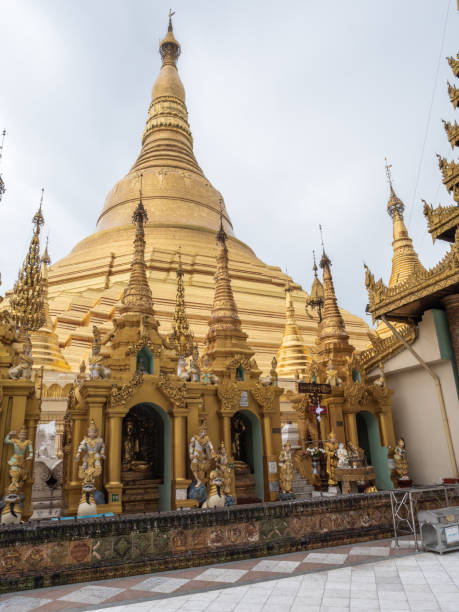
[369, 576]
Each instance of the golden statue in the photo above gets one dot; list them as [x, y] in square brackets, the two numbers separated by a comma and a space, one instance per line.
[93, 449]
[22, 452]
[223, 469]
[201, 451]
[331, 447]
[215, 499]
[131, 446]
[401, 460]
[286, 469]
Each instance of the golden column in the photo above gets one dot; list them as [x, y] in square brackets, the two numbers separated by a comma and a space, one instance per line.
[351, 428]
[180, 444]
[113, 451]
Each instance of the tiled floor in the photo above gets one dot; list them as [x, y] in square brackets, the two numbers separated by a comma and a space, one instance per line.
[369, 576]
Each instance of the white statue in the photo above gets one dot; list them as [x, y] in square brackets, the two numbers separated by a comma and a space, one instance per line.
[201, 451]
[45, 441]
[182, 369]
[343, 456]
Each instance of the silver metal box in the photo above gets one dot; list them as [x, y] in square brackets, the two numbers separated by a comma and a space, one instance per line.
[440, 529]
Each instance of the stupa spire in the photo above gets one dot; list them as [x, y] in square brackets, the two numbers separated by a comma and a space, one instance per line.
[225, 337]
[182, 337]
[332, 326]
[27, 302]
[292, 354]
[405, 260]
[175, 187]
[137, 297]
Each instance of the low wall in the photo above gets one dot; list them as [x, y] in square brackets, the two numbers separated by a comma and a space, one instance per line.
[36, 555]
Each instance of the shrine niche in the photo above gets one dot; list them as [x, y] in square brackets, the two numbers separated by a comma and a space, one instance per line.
[246, 449]
[142, 458]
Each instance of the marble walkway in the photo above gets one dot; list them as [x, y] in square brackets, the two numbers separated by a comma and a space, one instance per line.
[369, 576]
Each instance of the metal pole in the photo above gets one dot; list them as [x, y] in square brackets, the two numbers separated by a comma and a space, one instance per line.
[439, 390]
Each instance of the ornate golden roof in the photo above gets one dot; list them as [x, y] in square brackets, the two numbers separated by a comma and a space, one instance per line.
[292, 356]
[27, 302]
[442, 221]
[382, 349]
[182, 337]
[418, 292]
[454, 63]
[453, 95]
[450, 172]
[422, 289]
[452, 131]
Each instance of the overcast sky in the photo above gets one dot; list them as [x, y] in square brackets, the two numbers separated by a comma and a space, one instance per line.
[293, 107]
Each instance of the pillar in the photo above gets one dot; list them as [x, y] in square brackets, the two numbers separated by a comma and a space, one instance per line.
[451, 303]
[180, 446]
[267, 435]
[386, 429]
[113, 453]
[351, 428]
[227, 434]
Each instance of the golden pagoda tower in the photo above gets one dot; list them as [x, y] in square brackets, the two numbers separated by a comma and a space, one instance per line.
[181, 337]
[45, 343]
[225, 339]
[183, 211]
[333, 339]
[292, 356]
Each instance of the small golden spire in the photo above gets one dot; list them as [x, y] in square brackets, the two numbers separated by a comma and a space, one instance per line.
[292, 354]
[332, 326]
[137, 297]
[182, 337]
[405, 260]
[27, 302]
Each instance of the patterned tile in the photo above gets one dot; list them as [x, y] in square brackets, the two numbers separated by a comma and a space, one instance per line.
[91, 594]
[215, 574]
[283, 567]
[19, 603]
[327, 558]
[373, 551]
[158, 584]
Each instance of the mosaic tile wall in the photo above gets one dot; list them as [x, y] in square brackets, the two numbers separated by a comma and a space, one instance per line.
[51, 553]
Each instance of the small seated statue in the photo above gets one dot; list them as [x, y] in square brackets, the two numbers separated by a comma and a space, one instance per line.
[343, 456]
[401, 460]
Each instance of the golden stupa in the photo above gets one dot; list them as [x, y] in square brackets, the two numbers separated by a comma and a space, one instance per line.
[183, 213]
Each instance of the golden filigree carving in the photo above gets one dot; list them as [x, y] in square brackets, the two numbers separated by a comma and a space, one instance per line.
[155, 349]
[454, 64]
[229, 393]
[120, 395]
[175, 392]
[442, 220]
[265, 396]
[383, 349]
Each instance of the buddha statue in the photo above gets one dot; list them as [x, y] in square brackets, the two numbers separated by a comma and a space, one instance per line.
[331, 447]
[286, 469]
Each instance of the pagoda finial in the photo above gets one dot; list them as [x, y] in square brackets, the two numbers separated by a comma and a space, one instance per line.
[332, 325]
[171, 14]
[314, 267]
[324, 259]
[27, 302]
[394, 206]
[182, 337]
[169, 47]
[221, 236]
[45, 258]
[2, 184]
[137, 297]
